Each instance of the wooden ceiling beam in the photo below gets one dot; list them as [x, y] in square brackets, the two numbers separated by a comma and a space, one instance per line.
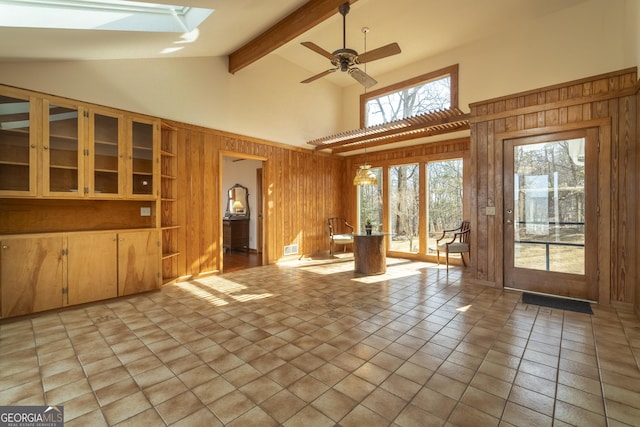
[300, 21]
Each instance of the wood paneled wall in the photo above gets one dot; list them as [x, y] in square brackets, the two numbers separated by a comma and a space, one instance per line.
[607, 102]
[301, 189]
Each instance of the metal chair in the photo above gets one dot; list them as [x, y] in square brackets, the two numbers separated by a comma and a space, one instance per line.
[457, 241]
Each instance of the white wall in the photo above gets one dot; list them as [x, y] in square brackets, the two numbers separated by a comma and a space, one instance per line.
[632, 26]
[259, 101]
[588, 39]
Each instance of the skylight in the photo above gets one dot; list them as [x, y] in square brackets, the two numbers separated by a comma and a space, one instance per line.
[114, 15]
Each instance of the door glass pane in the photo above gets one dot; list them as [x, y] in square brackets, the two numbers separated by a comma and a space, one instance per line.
[63, 149]
[14, 144]
[403, 208]
[549, 206]
[142, 158]
[370, 203]
[105, 154]
[444, 199]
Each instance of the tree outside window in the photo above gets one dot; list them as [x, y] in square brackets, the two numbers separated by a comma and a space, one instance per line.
[404, 203]
[444, 198]
[437, 90]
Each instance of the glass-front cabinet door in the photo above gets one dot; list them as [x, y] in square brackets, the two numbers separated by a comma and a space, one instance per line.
[18, 151]
[104, 169]
[143, 158]
[62, 151]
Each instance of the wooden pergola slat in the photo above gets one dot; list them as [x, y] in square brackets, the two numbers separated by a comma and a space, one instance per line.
[419, 126]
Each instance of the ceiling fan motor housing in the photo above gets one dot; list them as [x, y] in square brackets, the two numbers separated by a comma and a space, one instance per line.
[345, 58]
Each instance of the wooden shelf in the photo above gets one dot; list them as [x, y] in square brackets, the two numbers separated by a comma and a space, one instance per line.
[63, 167]
[4, 162]
[170, 227]
[170, 255]
[167, 154]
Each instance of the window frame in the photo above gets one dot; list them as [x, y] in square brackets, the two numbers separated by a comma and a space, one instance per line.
[451, 71]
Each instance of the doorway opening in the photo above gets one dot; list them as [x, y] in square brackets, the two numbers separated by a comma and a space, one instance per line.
[241, 230]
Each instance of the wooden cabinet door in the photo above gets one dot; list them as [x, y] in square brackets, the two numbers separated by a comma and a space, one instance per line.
[138, 261]
[143, 166]
[31, 274]
[18, 143]
[92, 267]
[63, 150]
[104, 175]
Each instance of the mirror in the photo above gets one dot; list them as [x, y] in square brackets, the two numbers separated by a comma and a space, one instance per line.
[237, 202]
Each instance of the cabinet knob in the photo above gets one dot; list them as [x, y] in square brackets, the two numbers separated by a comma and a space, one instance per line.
[46, 147]
[5, 247]
[33, 145]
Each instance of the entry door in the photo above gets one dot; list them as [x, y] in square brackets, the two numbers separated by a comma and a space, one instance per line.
[550, 217]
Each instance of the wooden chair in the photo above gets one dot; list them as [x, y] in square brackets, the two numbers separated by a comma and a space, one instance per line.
[340, 232]
[455, 240]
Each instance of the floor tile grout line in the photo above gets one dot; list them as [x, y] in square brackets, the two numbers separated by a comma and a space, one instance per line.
[513, 309]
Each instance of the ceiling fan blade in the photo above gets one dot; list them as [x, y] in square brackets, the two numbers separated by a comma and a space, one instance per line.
[363, 78]
[314, 47]
[317, 76]
[379, 53]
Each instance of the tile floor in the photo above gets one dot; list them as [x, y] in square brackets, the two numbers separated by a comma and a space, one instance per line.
[310, 344]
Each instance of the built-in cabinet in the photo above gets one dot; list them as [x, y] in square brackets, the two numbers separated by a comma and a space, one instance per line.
[31, 274]
[44, 272]
[138, 261]
[77, 183]
[52, 147]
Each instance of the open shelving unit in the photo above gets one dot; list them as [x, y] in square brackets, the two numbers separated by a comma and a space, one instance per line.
[168, 204]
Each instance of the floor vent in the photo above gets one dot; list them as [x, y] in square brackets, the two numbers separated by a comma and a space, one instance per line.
[291, 249]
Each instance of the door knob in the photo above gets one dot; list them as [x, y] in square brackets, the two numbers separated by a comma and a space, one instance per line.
[509, 222]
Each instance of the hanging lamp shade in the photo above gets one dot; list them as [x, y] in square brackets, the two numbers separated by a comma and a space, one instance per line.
[365, 176]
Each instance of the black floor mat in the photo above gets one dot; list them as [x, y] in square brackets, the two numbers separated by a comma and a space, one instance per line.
[560, 303]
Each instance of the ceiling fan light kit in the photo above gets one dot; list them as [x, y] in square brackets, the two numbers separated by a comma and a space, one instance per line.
[346, 59]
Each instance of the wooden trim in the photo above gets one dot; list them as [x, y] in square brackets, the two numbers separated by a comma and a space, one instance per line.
[553, 129]
[231, 135]
[476, 118]
[291, 26]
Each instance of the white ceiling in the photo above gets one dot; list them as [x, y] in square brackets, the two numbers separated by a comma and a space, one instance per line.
[422, 28]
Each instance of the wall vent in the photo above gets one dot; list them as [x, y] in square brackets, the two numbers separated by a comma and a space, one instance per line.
[291, 249]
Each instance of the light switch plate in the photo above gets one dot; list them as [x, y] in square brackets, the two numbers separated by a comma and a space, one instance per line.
[145, 211]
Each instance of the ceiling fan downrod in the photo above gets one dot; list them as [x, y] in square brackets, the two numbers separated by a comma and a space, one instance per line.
[344, 8]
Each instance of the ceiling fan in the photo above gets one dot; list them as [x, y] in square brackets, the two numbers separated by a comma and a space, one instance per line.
[346, 59]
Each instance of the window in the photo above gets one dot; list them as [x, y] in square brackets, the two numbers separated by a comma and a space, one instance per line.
[420, 95]
[119, 15]
[370, 203]
[444, 198]
[404, 205]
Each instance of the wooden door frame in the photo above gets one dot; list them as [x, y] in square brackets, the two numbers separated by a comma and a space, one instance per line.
[265, 225]
[579, 286]
[604, 129]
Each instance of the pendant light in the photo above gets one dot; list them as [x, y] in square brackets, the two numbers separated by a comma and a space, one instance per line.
[364, 176]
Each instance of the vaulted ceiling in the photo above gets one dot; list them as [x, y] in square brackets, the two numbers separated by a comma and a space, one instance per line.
[244, 30]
